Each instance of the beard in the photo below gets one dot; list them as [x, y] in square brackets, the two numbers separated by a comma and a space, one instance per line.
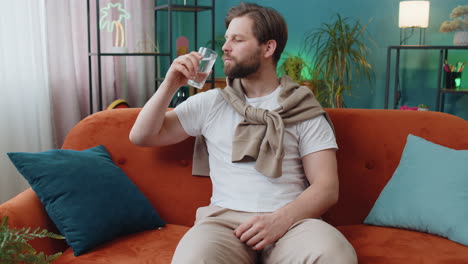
[242, 69]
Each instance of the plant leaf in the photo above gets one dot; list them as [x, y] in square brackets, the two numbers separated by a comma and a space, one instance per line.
[339, 56]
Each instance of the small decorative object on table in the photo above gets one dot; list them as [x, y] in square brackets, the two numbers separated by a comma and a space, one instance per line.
[119, 103]
[453, 74]
[423, 107]
[459, 24]
[411, 108]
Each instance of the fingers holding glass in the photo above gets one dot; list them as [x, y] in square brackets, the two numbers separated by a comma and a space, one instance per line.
[208, 58]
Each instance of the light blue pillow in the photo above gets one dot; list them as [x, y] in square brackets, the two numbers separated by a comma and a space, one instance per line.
[428, 192]
[89, 198]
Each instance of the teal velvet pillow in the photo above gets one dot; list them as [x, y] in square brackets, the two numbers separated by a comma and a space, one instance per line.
[86, 195]
[428, 192]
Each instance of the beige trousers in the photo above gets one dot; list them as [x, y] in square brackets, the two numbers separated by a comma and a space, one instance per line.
[211, 240]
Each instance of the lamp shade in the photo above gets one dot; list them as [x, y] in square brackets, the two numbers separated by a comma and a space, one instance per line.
[414, 14]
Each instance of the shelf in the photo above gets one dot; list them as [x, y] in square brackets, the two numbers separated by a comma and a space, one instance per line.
[443, 51]
[168, 55]
[183, 8]
[129, 54]
[455, 91]
[424, 47]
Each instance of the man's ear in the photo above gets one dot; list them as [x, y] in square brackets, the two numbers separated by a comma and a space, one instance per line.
[270, 47]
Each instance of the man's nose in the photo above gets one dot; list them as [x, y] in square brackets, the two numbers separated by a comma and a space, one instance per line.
[226, 46]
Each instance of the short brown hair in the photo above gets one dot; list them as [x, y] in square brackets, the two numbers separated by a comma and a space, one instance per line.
[268, 24]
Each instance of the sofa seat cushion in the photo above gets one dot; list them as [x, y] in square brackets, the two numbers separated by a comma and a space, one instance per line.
[386, 245]
[154, 246]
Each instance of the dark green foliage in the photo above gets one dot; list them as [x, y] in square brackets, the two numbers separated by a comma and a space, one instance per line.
[14, 246]
[292, 66]
[340, 55]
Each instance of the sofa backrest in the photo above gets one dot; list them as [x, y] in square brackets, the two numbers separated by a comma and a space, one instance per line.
[163, 174]
[370, 146]
[370, 142]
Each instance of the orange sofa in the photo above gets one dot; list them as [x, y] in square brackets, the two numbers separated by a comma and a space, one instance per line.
[371, 143]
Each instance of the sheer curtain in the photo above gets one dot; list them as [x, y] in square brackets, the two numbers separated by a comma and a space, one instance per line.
[129, 78]
[25, 115]
[68, 64]
[44, 73]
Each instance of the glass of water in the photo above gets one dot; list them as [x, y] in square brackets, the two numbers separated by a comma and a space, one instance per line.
[206, 64]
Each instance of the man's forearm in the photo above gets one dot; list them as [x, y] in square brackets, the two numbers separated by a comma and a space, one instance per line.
[312, 203]
[150, 120]
[322, 173]
[155, 127]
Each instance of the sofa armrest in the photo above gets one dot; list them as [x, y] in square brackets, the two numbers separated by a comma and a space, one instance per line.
[26, 210]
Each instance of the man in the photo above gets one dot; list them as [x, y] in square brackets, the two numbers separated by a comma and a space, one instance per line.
[262, 208]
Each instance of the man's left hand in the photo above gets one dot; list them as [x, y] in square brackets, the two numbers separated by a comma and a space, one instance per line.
[262, 230]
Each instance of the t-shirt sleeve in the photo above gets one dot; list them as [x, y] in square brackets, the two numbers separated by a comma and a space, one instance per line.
[314, 135]
[193, 112]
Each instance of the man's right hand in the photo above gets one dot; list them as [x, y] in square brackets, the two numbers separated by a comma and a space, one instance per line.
[182, 69]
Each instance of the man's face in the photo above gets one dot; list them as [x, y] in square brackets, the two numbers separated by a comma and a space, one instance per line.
[242, 54]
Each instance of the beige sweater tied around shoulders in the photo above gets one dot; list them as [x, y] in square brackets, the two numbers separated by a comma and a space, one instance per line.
[259, 137]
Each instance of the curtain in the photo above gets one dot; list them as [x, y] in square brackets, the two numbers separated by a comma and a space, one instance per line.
[25, 114]
[68, 69]
[130, 78]
[44, 76]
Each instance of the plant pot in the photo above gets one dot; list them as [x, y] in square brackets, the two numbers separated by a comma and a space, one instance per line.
[460, 38]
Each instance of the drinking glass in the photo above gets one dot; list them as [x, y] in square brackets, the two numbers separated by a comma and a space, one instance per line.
[206, 64]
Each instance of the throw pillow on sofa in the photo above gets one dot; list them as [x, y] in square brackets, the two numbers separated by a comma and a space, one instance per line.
[428, 192]
[89, 198]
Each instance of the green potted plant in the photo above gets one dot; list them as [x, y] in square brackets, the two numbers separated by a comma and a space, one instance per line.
[292, 66]
[14, 246]
[339, 55]
[423, 107]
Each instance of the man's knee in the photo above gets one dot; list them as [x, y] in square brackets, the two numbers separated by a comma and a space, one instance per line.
[205, 252]
[198, 254]
[210, 242]
[338, 252]
[332, 246]
[312, 241]
[194, 248]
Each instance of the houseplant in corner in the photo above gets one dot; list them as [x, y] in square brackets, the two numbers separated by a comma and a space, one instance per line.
[292, 66]
[459, 24]
[339, 54]
[295, 66]
[14, 246]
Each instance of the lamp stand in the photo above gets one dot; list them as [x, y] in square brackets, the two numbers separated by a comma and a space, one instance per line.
[407, 33]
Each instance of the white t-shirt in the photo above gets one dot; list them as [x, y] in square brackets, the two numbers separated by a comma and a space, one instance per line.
[239, 186]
